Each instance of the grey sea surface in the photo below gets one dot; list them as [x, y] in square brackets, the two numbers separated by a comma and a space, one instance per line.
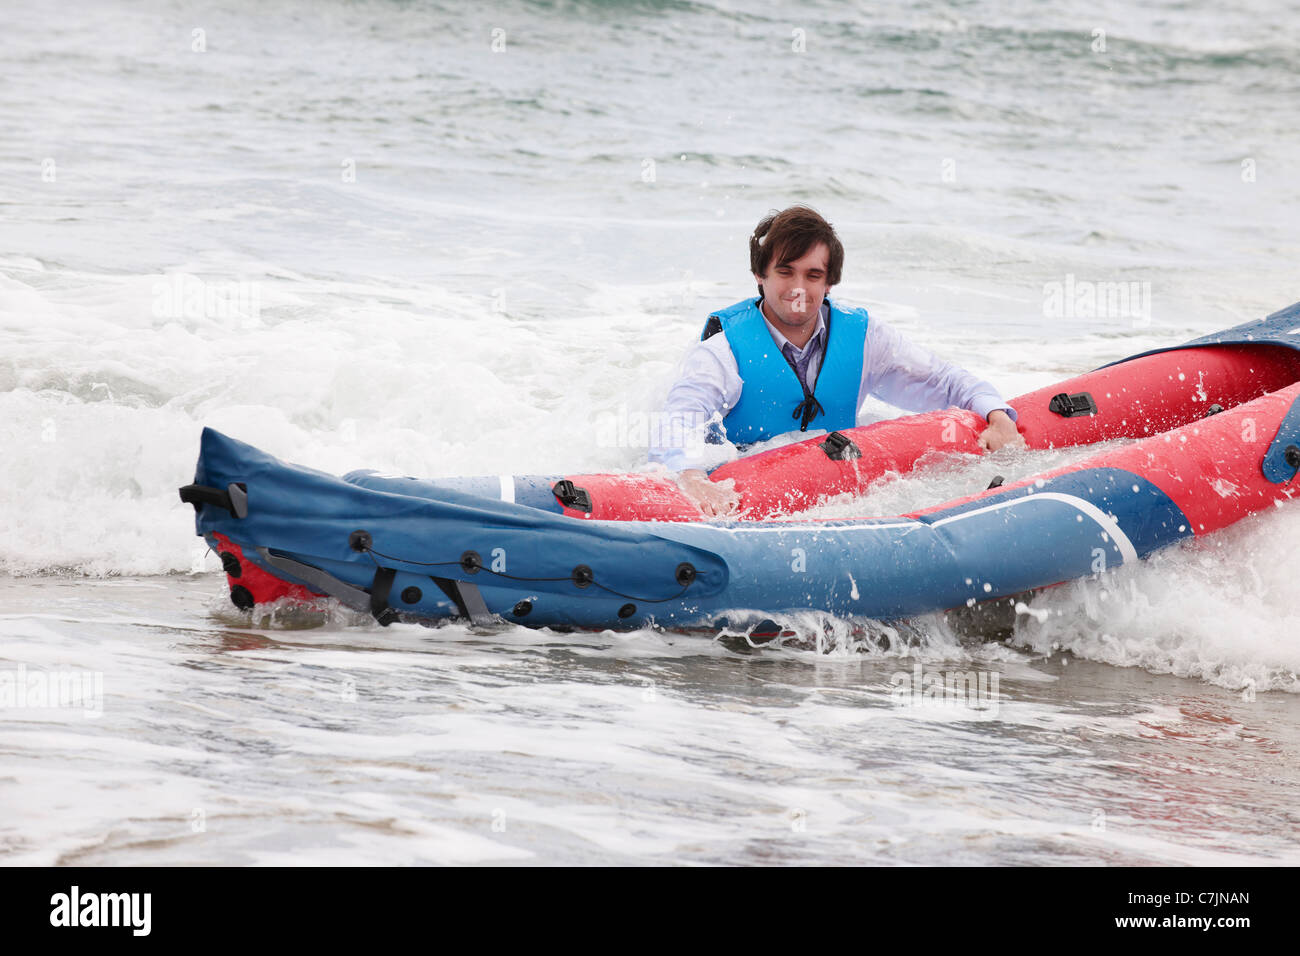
[439, 239]
[220, 743]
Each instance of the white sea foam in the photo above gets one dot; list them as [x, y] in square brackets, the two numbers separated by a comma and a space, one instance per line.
[1221, 609]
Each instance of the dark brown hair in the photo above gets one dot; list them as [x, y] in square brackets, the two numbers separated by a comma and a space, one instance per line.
[788, 235]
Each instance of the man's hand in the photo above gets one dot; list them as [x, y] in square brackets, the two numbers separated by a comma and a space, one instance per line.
[1001, 432]
[713, 498]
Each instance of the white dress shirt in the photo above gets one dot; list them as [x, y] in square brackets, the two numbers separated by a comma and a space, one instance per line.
[894, 370]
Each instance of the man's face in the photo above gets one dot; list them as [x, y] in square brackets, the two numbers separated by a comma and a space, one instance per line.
[793, 291]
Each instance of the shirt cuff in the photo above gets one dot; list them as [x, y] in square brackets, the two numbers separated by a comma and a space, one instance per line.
[672, 459]
[983, 405]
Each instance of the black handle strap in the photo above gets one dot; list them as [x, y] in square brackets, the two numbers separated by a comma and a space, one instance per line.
[234, 497]
[469, 601]
[379, 591]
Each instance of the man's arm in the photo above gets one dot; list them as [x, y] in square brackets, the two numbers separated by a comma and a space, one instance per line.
[708, 385]
[904, 374]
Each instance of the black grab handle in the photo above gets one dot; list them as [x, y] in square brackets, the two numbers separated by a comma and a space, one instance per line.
[234, 497]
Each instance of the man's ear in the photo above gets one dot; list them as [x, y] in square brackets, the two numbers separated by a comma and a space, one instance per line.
[759, 279]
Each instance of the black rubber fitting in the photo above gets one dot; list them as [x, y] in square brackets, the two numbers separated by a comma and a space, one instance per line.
[412, 594]
[360, 541]
[231, 564]
[1070, 405]
[522, 608]
[685, 573]
[1292, 456]
[839, 447]
[471, 563]
[1213, 410]
[242, 597]
[582, 576]
[571, 496]
[627, 610]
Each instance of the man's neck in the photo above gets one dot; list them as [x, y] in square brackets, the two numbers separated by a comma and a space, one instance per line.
[797, 337]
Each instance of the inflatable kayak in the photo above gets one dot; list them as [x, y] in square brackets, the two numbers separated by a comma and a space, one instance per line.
[1215, 429]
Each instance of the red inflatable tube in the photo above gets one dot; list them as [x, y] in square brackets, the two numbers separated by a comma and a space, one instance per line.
[1137, 398]
[249, 584]
[1212, 469]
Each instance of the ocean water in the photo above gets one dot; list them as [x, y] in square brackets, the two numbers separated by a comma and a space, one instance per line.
[435, 240]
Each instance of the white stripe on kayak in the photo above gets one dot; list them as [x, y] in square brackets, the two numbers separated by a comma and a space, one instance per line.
[507, 488]
[1108, 524]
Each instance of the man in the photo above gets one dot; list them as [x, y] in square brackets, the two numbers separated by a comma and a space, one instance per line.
[791, 359]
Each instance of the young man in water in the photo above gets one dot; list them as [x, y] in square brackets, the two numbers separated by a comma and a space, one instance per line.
[792, 359]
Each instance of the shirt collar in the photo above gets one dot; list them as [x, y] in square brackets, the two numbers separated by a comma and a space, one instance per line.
[818, 336]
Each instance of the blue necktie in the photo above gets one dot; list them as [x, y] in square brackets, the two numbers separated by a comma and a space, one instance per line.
[800, 365]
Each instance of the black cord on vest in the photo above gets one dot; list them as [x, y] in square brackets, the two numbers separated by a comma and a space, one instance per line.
[808, 409]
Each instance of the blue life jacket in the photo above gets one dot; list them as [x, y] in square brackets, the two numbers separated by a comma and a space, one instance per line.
[772, 400]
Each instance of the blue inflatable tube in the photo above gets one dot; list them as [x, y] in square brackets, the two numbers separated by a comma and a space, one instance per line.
[448, 554]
